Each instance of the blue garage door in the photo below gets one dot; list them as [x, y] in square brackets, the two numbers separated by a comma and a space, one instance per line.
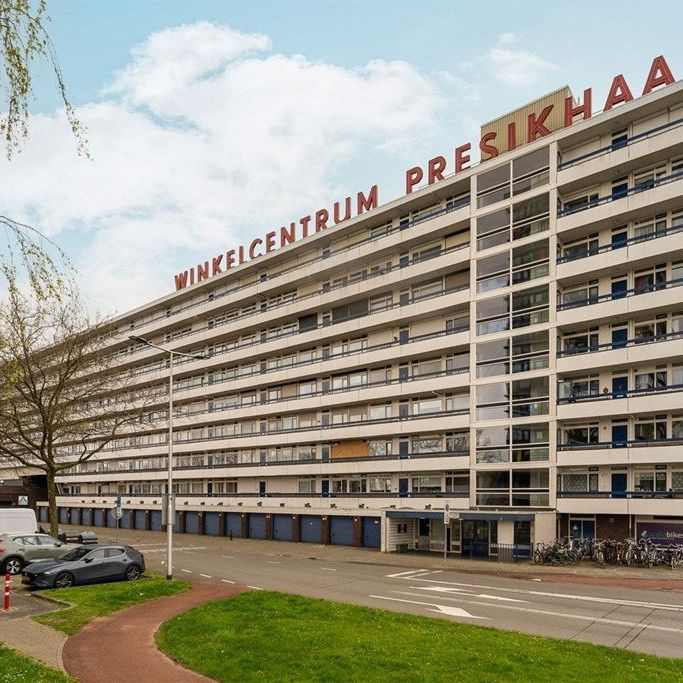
[311, 529]
[372, 532]
[211, 523]
[86, 518]
[98, 517]
[191, 522]
[257, 526]
[341, 530]
[111, 520]
[126, 519]
[283, 528]
[156, 520]
[233, 522]
[74, 516]
[64, 515]
[43, 514]
[140, 519]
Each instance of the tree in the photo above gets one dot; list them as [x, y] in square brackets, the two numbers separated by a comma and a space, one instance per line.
[24, 39]
[61, 398]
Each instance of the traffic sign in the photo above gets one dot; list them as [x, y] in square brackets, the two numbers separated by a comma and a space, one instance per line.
[446, 513]
[23, 500]
[118, 513]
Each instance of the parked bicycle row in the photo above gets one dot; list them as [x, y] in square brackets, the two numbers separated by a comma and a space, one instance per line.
[630, 552]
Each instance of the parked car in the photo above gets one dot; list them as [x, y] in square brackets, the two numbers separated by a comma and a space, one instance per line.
[86, 564]
[17, 550]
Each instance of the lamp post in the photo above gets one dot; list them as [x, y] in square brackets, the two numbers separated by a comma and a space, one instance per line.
[169, 484]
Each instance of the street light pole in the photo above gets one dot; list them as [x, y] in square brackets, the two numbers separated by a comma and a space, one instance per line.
[169, 483]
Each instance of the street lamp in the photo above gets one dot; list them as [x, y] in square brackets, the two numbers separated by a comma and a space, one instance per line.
[169, 485]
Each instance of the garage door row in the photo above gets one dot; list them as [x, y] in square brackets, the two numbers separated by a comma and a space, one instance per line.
[332, 529]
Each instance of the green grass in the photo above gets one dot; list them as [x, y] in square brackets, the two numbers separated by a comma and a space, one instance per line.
[99, 599]
[262, 636]
[15, 668]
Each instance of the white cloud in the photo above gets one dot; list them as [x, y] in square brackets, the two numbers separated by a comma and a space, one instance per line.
[206, 138]
[516, 67]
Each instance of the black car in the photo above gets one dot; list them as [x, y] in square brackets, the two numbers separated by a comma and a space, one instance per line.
[86, 564]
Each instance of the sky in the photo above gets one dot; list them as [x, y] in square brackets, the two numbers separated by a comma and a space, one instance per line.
[210, 122]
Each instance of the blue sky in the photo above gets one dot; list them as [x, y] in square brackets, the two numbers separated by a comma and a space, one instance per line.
[213, 122]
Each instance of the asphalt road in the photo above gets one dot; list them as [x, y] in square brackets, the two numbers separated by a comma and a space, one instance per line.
[635, 619]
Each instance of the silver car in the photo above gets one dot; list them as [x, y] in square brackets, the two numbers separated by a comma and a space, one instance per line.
[17, 550]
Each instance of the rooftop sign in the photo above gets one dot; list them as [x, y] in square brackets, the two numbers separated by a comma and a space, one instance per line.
[521, 127]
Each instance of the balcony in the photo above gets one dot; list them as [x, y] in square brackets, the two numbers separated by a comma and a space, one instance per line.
[621, 503]
[628, 452]
[657, 196]
[638, 251]
[630, 351]
[622, 304]
[621, 402]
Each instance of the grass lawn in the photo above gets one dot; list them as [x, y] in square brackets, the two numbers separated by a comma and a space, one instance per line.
[15, 668]
[263, 636]
[99, 599]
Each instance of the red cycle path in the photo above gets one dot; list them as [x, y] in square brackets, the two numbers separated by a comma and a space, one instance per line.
[120, 648]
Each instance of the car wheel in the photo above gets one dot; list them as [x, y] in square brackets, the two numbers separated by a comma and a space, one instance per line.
[133, 573]
[64, 580]
[13, 565]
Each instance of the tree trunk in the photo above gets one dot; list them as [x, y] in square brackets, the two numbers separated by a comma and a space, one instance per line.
[52, 503]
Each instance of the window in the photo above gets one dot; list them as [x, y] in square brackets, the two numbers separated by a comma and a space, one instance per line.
[530, 171]
[581, 342]
[426, 406]
[380, 448]
[651, 429]
[426, 444]
[493, 444]
[578, 482]
[578, 387]
[426, 484]
[458, 442]
[306, 484]
[582, 435]
[649, 481]
[380, 412]
[493, 186]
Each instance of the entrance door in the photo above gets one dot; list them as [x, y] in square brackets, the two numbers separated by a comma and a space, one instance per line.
[619, 386]
[619, 338]
[619, 239]
[618, 484]
[619, 289]
[619, 436]
[476, 538]
[423, 533]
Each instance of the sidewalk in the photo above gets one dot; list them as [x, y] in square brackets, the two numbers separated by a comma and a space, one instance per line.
[34, 640]
[118, 648]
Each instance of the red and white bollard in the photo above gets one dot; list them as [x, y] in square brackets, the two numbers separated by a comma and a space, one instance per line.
[7, 583]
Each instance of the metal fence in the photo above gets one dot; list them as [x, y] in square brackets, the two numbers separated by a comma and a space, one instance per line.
[500, 552]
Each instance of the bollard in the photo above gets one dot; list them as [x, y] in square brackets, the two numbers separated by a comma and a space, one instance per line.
[7, 580]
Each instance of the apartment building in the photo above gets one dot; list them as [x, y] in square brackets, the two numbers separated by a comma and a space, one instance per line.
[507, 340]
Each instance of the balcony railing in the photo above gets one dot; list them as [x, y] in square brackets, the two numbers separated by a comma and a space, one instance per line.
[642, 187]
[619, 145]
[626, 293]
[608, 346]
[659, 495]
[607, 395]
[620, 443]
[271, 463]
[592, 251]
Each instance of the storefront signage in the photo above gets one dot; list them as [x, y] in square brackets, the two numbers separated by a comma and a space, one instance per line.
[661, 532]
[538, 124]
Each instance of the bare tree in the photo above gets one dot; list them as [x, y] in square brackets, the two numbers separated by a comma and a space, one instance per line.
[61, 398]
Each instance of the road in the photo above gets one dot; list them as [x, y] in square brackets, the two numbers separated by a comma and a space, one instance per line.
[641, 620]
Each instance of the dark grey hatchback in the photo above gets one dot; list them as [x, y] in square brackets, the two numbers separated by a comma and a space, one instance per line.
[86, 564]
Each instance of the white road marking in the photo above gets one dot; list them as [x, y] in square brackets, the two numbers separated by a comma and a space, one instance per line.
[548, 594]
[565, 615]
[256, 588]
[271, 562]
[442, 609]
[227, 581]
[421, 572]
[328, 569]
[446, 589]
[206, 576]
[228, 557]
[187, 571]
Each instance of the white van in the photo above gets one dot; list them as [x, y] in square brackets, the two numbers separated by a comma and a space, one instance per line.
[18, 521]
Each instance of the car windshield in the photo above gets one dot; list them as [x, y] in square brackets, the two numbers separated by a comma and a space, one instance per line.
[76, 554]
